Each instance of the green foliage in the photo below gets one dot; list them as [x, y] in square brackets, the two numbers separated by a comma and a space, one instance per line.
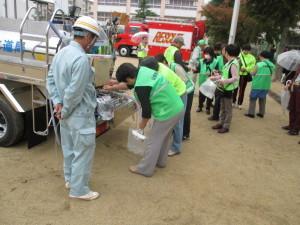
[143, 10]
[219, 21]
[273, 17]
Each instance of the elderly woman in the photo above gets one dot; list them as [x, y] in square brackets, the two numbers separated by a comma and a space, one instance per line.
[294, 104]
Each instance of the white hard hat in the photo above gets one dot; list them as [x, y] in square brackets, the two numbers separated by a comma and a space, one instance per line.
[87, 23]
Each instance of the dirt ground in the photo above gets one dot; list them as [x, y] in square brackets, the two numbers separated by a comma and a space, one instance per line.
[250, 176]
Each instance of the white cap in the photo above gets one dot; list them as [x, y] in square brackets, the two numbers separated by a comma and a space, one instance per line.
[87, 23]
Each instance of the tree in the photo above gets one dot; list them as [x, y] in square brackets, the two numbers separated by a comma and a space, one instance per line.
[275, 18]
[219, 14]
[143, 10]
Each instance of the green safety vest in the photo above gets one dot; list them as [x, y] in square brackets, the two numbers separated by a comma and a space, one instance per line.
[165, 102]
[248, 60]
[263, 78]
[204, 68]
[169, 54]
[141, 53]
[220, 61]
[189, 84]
[173, 78]
[225, 75]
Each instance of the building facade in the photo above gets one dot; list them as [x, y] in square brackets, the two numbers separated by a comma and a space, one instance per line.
[16, 9]
[189, 9]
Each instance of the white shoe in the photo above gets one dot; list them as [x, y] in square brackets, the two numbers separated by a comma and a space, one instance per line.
[88, 197]
[240, 107]
[172, 153]
[234, 105]
[67, 185]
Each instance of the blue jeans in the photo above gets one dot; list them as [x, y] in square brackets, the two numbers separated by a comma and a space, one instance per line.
[178, 129]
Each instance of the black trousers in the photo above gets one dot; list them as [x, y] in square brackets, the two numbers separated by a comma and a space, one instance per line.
[241, 90]
[217, 105]
[202, 99]
[187, 115]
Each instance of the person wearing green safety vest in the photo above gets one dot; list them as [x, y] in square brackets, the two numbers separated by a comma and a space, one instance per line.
[158, 99]
[142, 51]
[206, 66]
[188, 78]
[180, 86]
[226, 83]
[197, 54]
[247, 64]
[172, 53]
[218, 49]
[190, 87]
[261, 84]
[218, 53]
[166, 72]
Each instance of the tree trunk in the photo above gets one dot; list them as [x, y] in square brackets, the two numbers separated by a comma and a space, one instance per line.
[281, 46]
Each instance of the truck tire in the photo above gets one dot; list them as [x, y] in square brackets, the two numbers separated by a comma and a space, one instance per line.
[11, 125]
[124, 51]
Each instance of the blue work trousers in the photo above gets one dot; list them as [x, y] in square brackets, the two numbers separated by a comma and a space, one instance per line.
[178, 129]
[78, 145]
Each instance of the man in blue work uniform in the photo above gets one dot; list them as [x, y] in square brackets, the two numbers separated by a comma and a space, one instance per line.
[70, 87]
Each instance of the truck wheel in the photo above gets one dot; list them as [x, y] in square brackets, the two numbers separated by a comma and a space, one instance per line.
[11, 125]
[124, 51]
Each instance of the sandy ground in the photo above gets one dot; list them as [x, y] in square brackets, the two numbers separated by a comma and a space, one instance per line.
[250, 176]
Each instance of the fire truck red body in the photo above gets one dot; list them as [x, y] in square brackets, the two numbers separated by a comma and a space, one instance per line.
[161, 34]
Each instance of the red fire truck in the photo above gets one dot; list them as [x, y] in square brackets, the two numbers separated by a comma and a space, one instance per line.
[161, 33]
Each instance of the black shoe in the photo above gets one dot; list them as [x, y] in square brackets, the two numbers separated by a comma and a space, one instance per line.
[260, 115]
[211, 118]
[223, 130]
[217, 126]
[286, 127]
[199, 109]
[208, 112]
[186, 138]
[249, 115]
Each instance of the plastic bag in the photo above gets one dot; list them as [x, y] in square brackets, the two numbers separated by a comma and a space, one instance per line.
[285, 98]
[105, 108]
[208, 88]
[134, 144]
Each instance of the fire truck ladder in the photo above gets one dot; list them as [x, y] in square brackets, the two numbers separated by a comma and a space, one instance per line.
[36, 102]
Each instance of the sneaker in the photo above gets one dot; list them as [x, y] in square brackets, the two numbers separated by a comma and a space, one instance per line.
[172, 153]
[67, 185]
[249, 115]
[186, 138]
[234, 105]
[240, 107]
[217, 126]
[293, 132]
[88, 197]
